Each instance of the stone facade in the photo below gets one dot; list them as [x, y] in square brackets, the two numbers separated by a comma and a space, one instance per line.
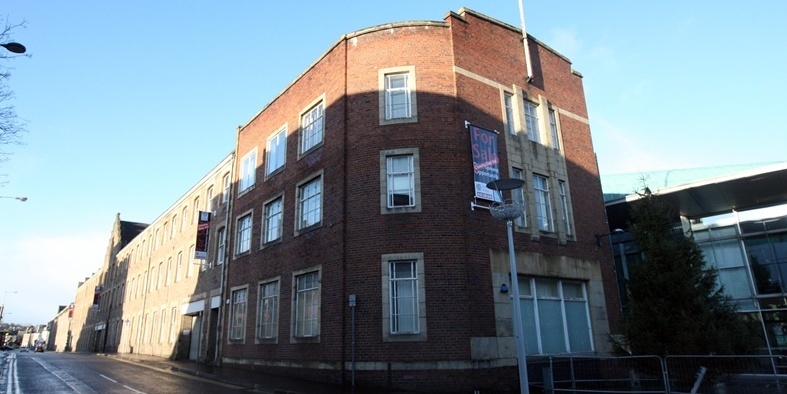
[154, 297]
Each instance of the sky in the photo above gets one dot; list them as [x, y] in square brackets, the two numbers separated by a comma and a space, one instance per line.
[127, 104]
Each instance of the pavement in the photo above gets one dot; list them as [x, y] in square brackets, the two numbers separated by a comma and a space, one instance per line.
[252, 380]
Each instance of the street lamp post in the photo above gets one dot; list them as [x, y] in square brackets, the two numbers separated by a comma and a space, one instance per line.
[508, 211]
[22, 199]
[2, 306]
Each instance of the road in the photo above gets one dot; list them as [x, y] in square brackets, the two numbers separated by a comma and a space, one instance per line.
[30, 373]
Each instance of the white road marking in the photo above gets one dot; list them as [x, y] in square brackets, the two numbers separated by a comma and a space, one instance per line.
[69, 380]
[136, 391]
[11, 376]
[108, 378]
[115, 381]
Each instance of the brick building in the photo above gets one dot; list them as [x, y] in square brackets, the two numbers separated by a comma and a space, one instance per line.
[357, 182]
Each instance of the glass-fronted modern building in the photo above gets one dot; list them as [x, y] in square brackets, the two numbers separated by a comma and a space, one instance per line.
[738, 217]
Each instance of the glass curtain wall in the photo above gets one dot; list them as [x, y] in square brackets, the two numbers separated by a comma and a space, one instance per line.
[749, 251]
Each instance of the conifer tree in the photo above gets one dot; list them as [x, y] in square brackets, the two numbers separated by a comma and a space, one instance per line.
[674, 303]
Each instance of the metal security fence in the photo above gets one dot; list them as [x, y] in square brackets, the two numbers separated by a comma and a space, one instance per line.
[633, 374]
[726, 374]
[653, 374]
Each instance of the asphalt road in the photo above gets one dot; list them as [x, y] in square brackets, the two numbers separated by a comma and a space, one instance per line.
[31, 373]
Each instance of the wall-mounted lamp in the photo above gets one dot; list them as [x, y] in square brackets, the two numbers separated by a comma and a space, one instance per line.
[504, 288]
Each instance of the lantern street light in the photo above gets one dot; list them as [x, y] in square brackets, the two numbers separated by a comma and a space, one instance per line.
[509, 210]
[14, 47]
[22, 199]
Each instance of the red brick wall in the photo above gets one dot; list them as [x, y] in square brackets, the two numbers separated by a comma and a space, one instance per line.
[454, 239]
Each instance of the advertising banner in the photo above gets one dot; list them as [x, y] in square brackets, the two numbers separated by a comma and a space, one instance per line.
[485, 161]
[203, 230]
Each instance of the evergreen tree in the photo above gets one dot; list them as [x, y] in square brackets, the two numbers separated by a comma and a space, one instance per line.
[674, 303]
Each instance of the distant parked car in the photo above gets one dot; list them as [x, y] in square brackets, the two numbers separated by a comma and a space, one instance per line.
[39, 349]
[24, 349]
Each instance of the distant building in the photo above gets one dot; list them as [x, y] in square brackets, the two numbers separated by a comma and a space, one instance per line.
[738, 217]
[81, 331]
[60, 329]
[35, 336]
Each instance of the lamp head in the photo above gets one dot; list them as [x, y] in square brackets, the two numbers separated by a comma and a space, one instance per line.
[14, 47]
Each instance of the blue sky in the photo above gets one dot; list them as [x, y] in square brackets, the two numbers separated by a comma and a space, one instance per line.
[129, 103]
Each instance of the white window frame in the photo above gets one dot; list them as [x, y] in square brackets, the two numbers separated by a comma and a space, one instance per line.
[531, 121]
[397, 96]
[248, 171]
[195, 216]
[153, 327]
[152, 280]
[161, 276]
[401, 181]
[225, 188]
[243, 233]
[306, 308]
[310, 203]
[273, 221]
[312, 127]
[179, 267]
[163, 333]
[518, 196]
[268, 310]
[239, 301]
[529, 293]
[508, 111]
[543, 203]
[562, 189]
[170, 277]
[392, 333]
[409, 114]
[403, 296]
[173, 326]
[276, 151]
[184, 213]
[386, 184]
[221, 245]
[209, 201]
[554, 128]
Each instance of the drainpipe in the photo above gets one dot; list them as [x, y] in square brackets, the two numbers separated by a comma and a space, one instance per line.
[225, 266]
[345, 191]
[524, 41]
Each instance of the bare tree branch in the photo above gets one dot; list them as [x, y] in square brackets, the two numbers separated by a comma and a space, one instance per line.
[11, 126]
